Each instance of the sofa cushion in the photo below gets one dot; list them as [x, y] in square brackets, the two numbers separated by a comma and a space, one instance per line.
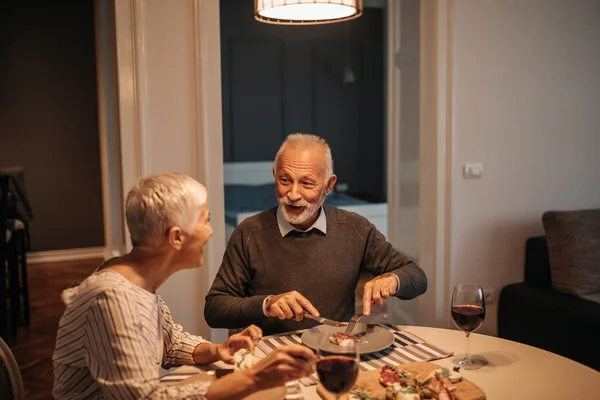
[574, 248]
[537, 262]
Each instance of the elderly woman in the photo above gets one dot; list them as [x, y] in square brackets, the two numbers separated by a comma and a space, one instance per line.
[116, 330]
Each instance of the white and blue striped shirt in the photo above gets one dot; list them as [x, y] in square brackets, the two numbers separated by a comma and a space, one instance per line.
[109, 346]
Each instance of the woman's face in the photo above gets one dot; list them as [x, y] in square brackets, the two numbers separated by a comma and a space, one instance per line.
[201, 232]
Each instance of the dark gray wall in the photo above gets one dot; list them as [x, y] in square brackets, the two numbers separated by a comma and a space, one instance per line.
[283, 79]
[49, 120]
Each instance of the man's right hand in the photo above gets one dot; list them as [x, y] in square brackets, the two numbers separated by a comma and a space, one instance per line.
[289, 305]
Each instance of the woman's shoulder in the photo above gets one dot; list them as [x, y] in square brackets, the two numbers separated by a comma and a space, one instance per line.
[106, 283]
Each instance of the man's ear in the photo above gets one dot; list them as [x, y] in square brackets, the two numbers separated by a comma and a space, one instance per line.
[331, 183]
[176, 237]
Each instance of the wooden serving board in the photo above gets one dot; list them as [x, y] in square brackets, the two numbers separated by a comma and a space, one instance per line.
[369, 380]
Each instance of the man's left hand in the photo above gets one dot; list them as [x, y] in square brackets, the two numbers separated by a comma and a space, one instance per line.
[377, 290]
[246, 339]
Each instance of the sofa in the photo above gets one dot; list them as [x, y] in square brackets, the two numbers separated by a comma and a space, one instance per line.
[545, 314]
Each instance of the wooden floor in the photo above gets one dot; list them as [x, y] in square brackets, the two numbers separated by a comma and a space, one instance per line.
[34, 345]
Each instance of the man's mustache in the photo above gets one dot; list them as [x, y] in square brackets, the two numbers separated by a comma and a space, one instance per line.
[300, 203]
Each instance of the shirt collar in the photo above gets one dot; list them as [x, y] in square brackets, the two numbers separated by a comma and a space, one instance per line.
[285, 227]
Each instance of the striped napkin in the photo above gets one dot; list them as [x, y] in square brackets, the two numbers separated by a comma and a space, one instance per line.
[407, 348]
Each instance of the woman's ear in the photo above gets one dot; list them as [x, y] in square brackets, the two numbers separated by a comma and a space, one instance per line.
[176, 237]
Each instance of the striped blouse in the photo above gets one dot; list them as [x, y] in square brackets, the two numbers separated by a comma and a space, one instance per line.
[109, 344]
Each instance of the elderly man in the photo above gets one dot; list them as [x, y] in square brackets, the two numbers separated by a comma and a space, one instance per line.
[305, 256]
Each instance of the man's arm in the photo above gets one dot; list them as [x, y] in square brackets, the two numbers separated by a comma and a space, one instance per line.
[228, 302]
[381, 258]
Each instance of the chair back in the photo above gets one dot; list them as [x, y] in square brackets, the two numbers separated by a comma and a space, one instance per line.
[3, 208]
[18, 201]
[11, 383]
[4, 325]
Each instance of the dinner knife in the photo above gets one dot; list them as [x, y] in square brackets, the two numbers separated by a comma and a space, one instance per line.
[322, 320]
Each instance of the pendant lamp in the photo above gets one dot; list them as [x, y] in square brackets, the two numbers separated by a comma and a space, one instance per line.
[306, 12]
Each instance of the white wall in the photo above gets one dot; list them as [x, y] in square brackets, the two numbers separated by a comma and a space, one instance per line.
[526, 103]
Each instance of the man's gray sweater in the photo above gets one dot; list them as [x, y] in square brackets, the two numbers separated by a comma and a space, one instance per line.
[324, 268]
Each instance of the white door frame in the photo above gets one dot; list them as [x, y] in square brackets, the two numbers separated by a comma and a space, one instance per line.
[435, 149]
[392, 92]
[108, 127]
[435, 159]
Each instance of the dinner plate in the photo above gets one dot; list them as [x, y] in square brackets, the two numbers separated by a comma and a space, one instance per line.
[375, 339]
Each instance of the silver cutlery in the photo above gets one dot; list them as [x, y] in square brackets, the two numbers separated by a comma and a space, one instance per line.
[322, 320]
[354, 320]
[352, 323]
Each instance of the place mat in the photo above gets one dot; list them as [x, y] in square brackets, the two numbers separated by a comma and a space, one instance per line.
[407, 348]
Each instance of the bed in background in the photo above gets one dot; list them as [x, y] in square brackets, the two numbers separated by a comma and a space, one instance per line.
[250, 189]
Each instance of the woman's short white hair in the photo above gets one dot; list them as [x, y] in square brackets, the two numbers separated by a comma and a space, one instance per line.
[307, 139]
[158, 202]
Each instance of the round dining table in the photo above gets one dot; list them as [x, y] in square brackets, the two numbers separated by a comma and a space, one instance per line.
[514, 370]
[510, 370]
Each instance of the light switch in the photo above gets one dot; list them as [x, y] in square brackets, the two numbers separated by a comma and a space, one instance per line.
[472, 171]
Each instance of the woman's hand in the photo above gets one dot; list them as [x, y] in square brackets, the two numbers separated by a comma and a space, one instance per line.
[285, 363]
[246, 339]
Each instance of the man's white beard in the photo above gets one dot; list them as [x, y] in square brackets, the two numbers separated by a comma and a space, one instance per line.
[309, 210]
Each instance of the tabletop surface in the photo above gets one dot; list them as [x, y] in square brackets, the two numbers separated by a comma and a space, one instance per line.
[515, 370]
[511, 370]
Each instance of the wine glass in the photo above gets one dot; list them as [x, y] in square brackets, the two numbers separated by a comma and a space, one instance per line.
[337, 366]
[468, 313]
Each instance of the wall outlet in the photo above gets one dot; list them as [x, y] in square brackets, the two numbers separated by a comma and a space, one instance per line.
[341, 187]
[490, 296]
[472, 170]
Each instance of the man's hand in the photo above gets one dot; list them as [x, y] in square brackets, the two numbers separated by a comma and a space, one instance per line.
[246, 339]
[289, 305]
[377, 290]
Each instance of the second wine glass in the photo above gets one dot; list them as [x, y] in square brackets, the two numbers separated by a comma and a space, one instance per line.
[337, 371]
[468, 313]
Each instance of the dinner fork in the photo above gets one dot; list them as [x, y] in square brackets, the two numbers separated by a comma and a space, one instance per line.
[354, 320]
[352, 323]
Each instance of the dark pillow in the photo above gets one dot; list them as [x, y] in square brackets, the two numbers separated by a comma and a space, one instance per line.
[574, 250]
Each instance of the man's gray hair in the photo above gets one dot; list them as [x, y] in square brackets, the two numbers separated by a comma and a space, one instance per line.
[158, 202]
[306, 139]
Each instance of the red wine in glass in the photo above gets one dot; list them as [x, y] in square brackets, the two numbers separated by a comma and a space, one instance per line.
[337, 366]
[468, 318]
[468, 312]
[337, 373]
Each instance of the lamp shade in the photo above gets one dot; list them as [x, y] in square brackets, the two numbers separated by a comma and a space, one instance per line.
[306, 12]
